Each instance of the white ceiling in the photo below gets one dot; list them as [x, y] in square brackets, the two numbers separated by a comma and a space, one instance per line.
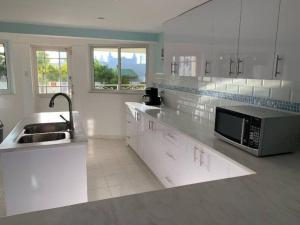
[131, 15]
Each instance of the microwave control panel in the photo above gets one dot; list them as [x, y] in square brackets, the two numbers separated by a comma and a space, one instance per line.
[254, 132]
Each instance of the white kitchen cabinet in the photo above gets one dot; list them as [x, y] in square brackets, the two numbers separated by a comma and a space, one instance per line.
[287, 53]
[235, 38]
[208, 164]
[175, 158]
[225, 37]
[148, 141]
[129, 129]
[188, 43]
[134, 131]
[257, 38]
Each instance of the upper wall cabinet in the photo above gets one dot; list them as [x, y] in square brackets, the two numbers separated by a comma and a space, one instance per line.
[237, 39]
[226, 22]
[188, 43]
[257, 38]
[287, 58]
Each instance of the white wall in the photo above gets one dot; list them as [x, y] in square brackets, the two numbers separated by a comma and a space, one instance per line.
[102, 114]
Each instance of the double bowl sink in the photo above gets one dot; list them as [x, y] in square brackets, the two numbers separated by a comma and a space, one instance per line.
[43, 132]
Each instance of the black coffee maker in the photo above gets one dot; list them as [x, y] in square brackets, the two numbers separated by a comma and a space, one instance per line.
[151, 97]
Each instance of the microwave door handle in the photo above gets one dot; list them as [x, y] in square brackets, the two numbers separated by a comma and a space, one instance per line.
[243, 131]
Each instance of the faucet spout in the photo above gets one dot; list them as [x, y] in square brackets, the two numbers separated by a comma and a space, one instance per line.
[70, 123]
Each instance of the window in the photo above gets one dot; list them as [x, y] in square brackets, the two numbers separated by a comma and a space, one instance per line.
[52, 70]
[119, 68]
[4, 69]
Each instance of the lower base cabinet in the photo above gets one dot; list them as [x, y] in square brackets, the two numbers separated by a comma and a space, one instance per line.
[175, 158]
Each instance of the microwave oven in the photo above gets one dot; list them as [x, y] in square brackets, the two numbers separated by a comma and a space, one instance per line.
[259, 131]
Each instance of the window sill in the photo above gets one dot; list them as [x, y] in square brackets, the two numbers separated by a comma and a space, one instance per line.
[124, 92]
[46, 95]
[7, 93]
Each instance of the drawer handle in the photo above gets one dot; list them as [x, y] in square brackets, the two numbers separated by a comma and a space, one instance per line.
[169, 180]
[201, 161]
[171, 136]
[201, 155]
[138, 116]
[151, 125]
[170, 155]
[195, 153]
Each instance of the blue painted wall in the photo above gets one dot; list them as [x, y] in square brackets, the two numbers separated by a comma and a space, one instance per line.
[76, 32]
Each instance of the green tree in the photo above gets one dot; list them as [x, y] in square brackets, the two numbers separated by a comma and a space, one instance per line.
[48, 71]
[128, 76]
[104, 75]
[2, 66]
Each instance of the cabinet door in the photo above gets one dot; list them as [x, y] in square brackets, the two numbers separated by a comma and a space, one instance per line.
[226, 33]
[139, 134]
[188, 43]
[131, 130]
[175, 157]
[288, 46]
[257, 38]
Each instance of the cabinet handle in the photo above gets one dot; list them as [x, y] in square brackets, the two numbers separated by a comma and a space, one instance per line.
[170, 155]
[231, 62]
[278, 59]
[138, 116]
[173, 68]
[171, 136]
[168, 179]
[150, 125]
[201, 161]
[195, 153]
[207, 64]
[240, 61]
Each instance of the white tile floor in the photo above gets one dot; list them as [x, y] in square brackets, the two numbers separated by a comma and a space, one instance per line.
[113, 170]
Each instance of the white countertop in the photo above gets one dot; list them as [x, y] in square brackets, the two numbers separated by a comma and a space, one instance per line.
[271, 196]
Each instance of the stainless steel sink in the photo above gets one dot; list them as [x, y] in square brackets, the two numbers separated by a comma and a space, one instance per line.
[45, 128]
[34, 138]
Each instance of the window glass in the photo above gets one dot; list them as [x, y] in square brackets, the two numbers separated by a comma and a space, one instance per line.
[52, 71]
[105, 66]
[133, 68]
[119, 68]
[3, 69]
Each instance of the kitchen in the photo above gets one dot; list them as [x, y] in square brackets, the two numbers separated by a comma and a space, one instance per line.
[168, 163]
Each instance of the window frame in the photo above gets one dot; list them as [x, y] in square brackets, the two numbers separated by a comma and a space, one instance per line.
[119, 47]
[9, 89]
[35, 69]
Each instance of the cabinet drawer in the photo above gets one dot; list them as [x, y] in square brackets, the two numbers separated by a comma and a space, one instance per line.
[173, 137]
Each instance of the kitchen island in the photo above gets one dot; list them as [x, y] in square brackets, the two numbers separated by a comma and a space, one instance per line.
[39, 174]
[271, 196]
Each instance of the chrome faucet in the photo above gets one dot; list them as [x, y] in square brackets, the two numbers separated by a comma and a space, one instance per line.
[70, 124]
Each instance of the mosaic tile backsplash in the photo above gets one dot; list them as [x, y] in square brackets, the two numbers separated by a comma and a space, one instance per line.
[200, 96]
